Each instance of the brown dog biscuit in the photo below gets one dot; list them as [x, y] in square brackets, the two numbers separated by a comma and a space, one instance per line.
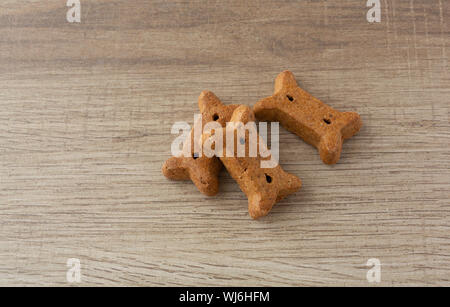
[203, 171]
[312, 120]
[263, 186]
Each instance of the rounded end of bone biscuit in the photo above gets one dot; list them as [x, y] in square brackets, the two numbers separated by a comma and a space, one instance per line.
[207, 99]
[289, 185]
[172, 169]
[205, 94]
[209, 187]
[259, 206]
[330, 148]
[354, 124]
[205, 175]
[294, 183]
[285, 80]
[243, 114]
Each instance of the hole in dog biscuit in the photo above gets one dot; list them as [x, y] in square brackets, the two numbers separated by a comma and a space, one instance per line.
[268, 178]
[327, 121]
[195, 156]
[215, 117]
[290, 97]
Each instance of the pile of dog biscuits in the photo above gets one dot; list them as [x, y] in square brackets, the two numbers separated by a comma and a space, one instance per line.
[312, 120]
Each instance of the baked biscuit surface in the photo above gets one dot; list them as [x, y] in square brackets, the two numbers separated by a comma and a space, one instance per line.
[263, 186]
[201, 170]
[312, 120]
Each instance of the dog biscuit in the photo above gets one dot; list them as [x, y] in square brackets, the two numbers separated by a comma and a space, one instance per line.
[263, 186]
[312, 120]
[201, 170]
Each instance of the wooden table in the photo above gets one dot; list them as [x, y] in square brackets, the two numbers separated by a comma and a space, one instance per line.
[86, 111]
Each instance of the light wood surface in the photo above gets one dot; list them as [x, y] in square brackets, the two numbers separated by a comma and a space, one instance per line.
[85, 117]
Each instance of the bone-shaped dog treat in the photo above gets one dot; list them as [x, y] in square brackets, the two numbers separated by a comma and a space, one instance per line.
[203, 171]
[312, 120]
[263, 186]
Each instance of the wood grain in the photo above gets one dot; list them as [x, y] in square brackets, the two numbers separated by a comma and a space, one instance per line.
[85, 117]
